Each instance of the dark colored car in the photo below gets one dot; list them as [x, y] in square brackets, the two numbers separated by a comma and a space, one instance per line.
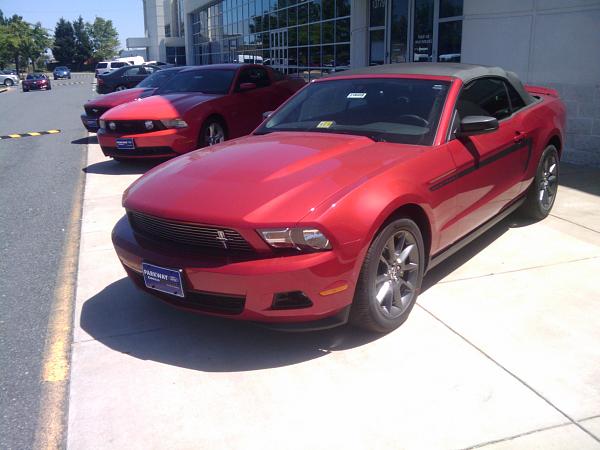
[62, 72]
[341, 201]
[199, 106]
[35, 81]
[147, 87]
[123, 78]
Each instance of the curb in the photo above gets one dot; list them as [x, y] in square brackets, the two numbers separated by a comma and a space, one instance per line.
[3, 90]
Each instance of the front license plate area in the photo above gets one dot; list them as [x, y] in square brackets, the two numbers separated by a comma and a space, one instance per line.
[125, 144]
[163, 279]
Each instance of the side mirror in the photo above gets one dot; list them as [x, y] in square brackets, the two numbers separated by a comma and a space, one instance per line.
[267, 114]
[247, 86]
[473, 125]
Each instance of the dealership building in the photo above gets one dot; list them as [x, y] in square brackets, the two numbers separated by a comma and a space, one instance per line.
[553, 43]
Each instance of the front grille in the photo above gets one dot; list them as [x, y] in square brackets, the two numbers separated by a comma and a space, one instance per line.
[132, 126]
[95, 111]
[188, 234]
[197, 300]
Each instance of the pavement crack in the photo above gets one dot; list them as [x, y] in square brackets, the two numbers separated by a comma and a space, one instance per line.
[509, 372]
[518, 270]
[510, 438]
[575, 223]
[111, 336]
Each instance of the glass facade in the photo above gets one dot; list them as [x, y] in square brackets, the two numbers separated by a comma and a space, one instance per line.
[415, 30]
[305, 38]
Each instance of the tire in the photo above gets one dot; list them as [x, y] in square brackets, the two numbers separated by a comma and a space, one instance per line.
[120, 88]
[55, 78]
[542, 192]
[8, 82]
[213, 131]
[379, 308]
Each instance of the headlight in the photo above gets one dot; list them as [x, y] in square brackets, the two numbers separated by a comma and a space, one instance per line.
[174, 123]
[298, 238]
[102, 124]
[149, 124]
[112, 126]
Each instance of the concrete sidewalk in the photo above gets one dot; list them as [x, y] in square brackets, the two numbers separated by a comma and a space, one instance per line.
[502, 351]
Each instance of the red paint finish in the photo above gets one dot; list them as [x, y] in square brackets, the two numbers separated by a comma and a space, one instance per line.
[347, 186]
[99, 105]
[239, 111]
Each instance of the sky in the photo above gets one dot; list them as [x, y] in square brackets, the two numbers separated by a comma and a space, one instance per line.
[127, 15]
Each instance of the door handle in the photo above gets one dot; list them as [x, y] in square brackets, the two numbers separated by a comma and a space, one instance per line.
[519, 136]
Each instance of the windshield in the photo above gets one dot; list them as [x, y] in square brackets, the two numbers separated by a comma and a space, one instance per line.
[61, 68]
[35, 76]
[402, 110]
[206, 81]
[157, 79]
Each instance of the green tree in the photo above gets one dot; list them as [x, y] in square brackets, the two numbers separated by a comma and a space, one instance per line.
[16, 38]
[38, 44]
[64, 42]
[83, 43]
[105, 39]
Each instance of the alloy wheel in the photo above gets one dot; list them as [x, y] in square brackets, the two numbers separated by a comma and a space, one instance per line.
[120, 88]
[548, 184]
[397, 274]
[214, 134]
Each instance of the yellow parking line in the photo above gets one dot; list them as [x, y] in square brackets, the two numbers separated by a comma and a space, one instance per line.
[57, 351]
[14, 136]
[34, 133]
[53, 131]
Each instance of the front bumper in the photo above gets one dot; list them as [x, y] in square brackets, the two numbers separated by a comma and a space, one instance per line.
[157, 144]
[33, 87]
[62, 76]
[243, 288]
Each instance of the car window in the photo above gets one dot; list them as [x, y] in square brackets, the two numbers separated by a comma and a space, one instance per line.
[256, 75]
[117, 64]
[484, 97]
[132, 72]
[206, 81]
[401, 110]
[102, 66]
[158, 78]
[516, 101]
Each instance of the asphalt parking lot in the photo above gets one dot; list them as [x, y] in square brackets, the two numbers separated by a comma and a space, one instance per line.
[502, 350]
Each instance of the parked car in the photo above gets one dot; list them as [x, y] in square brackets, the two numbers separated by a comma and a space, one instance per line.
[109, 66]
[8, 79]
[199, 106]
[62, 72]
[123, 78]
[36, 81]
[147, 87]
[339, 203]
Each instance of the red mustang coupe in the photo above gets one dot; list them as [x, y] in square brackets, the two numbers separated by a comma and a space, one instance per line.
[200, 106]
[147, 87]
[337, 205]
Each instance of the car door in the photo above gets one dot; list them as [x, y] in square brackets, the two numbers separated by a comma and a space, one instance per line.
[251, 104]
[489, 167]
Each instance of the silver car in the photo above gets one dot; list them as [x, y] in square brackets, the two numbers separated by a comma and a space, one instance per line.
[8, 79]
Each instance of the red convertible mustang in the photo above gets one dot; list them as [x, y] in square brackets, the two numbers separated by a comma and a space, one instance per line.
[337, 205]
[200, 106]
[147, 87]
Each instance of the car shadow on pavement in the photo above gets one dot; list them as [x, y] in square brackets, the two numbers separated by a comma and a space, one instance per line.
[130, 321]
[86, 140]
[112, 167]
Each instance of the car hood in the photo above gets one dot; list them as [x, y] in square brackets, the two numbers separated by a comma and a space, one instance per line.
[170, 106]
[117, 98]
[260, 180]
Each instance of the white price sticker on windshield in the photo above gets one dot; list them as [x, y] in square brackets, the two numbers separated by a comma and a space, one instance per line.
[356, 95]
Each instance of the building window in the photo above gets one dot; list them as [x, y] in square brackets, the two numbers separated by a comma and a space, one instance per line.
[176, 55]
[168, 30]
[305, 38]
